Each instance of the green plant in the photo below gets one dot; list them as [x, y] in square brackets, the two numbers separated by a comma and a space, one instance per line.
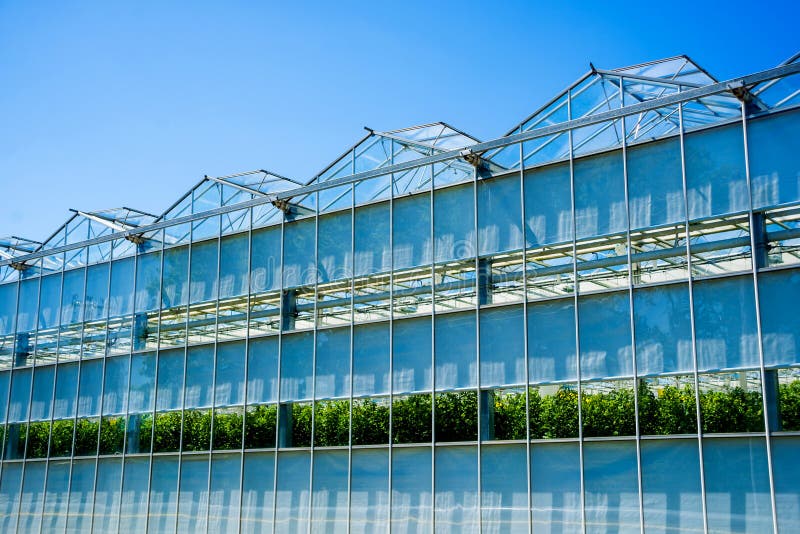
[38, 439]
[672, 410]
[731, 410]
[260, 426]
[457, 416]
[411, 419]
[789, 402]
[370, 422]
[196, 430]
[86, 433]
[331, 423]
[61, 437]
[559, 415]
[166, 432]
[227, 430]
[301, 425]
[510, 421]
[609, 413]
[112, 435]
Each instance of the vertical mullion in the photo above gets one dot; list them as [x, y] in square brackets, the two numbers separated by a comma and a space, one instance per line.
[214, 369]
[477, 335]
[126, 409]
[52, 407]
[690, 274]
[30, 398]
[246, 377]
[391, 338]
[762, 370]
[314, 362]
[352, 319]
[632, 323]
[525, 337]
[433, 356]
[280, 379]
[575, 311]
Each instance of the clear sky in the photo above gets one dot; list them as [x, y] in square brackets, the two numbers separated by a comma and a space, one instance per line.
[108, 104]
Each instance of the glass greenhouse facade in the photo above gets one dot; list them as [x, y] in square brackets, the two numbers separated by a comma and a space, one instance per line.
[587, 325]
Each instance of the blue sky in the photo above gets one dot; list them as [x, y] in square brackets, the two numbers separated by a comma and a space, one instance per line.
[107, 104]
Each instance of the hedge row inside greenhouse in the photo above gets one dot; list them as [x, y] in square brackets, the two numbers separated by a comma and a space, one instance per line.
[668, 410]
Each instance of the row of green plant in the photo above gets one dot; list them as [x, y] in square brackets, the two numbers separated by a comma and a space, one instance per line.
[508, 416]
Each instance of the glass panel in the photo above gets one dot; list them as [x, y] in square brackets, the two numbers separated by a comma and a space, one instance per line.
[66, 391]
[90, 386]
[170, 380]
[204, 270]
[27, 306]
[115, 385]
[504, 489]
[673, 501]
[725, 323]
[72, 297]
[329, 495]
[608, 408]
[655, 183]
[787, 492]
[499, 215]
[81, 498]
[779, 292]
[737, 485]
[715, 172]
[266, 260]
[667, 405]
[548, 205]
[412, 355]
[773, 152]
[605, 335]
[49, 301]
[299, 254]
[142, 390]
[9, 496]
[611, 487]
[8, 308]
[96, 292]
[193, 496]
[369, 491]
[163, 494]
[411, 231]
[731, 402]
[372, 244]
[371, 359]
[133, 507]
[334, 261]
[502, 346]
[257, 497]
[292, 499]
[107, 495]
[225, 498]
[262, 370]
[54, 518]
[199, 377]
[175, 286]
[556, 488]
[455, 339]
[120, 300]
[19, 407]
[333, 363]
[233, 265]
[229, 381]
[412, 506]
[33, 489]
[148, 281]
[599, 195]
[457, 489]
[662, 323]
[551, 340]
[296, 366]
[42, 399]
[453, 223]
[5, 377]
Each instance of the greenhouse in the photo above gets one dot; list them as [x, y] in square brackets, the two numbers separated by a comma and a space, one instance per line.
[586, 325]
